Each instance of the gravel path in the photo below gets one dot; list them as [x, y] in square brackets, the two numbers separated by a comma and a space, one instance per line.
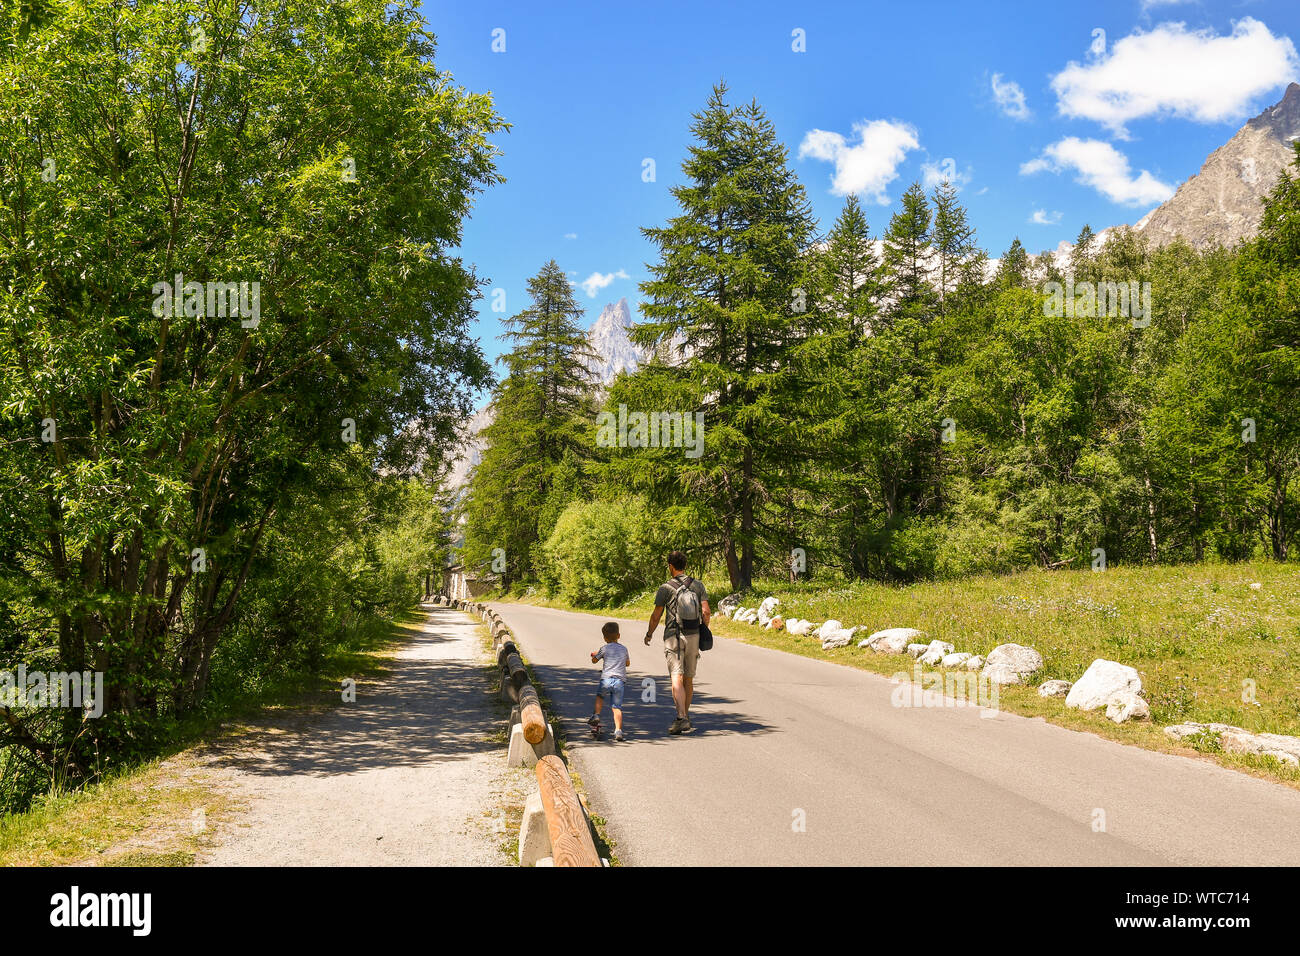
[409, 774]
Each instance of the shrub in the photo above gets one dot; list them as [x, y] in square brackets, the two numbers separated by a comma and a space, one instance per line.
[600, 552]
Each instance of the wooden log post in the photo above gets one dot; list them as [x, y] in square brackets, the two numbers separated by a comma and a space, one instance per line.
[530, 715]
[507, 649]
[571, 843]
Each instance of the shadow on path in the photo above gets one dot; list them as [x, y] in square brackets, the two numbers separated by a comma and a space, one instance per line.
[426, 710]
[572, 691]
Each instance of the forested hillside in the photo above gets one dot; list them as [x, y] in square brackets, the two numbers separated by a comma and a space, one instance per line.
[233, 327]
[897, 409]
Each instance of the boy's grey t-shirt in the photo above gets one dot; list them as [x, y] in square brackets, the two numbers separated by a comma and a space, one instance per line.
[615, 656]
[664, 597]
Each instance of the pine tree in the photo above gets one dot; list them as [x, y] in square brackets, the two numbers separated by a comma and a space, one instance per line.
[908, 255]
[953, 239]
[852, 283]
[543, 410]
[831, 410]
[1083, 253]
[732, 285]
[1013, 270]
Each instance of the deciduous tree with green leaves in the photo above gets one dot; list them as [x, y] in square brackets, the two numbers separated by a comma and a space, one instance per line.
[314, 157]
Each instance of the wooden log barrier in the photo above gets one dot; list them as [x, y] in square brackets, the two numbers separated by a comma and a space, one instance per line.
[530, 715]
[517, 676]
[571, 843]
[507, 649]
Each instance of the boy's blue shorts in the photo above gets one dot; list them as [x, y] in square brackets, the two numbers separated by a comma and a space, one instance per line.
[611, 688]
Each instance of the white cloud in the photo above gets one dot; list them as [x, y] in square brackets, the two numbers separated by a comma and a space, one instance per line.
[869, 166]
[1104, 168]
[932, 174]
[1010, 98]
[1173, 71]
[1042, 217]
[570, 235]
[599, 280]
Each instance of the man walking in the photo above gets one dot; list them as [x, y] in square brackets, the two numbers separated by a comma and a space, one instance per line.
[687, 604]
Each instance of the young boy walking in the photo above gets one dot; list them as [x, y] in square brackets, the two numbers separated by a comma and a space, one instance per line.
[613, 677]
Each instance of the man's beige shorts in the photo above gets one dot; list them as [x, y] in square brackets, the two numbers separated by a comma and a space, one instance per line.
[682, 651]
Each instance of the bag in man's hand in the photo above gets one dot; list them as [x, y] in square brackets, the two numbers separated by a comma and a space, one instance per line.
[706, 638]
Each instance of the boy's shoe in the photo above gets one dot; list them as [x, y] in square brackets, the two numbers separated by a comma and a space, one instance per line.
[688, 727]
[593, 720]
[618, 735]
[678, 726]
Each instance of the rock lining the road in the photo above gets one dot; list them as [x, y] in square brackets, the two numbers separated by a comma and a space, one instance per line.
[1011, 664]
[1112, 685]
[1054, 688]
[1238, 740]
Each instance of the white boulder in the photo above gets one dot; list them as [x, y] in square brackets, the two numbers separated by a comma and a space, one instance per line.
[1103, 682]
[893, 641]
[836, 636]
[1054, 688]
[935, 652]
[1127, 706]
[900, 636]
[799, 627]
[1237, 740]
[974, 663]
[955, 660]
[916, 650]
[1011, 664]
[767, 610]
[1192, 729]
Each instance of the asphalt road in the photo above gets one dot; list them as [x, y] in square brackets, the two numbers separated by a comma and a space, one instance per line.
[783, 740]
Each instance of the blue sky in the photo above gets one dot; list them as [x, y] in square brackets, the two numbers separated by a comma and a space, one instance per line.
[1079, 126]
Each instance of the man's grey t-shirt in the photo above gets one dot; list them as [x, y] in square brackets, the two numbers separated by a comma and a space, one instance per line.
[664, 598]
[615, 656]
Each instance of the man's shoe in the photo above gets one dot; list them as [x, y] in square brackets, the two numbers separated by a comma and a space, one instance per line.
[688, 726]
[618, 735]
[593, 720]
[677, 726]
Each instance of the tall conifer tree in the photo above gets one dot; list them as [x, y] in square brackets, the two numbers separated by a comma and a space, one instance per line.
[732, 287]
[543, 411]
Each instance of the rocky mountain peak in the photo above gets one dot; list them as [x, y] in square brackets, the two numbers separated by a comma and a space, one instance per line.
[1221, 203]
[615, 353]
[609, 339]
